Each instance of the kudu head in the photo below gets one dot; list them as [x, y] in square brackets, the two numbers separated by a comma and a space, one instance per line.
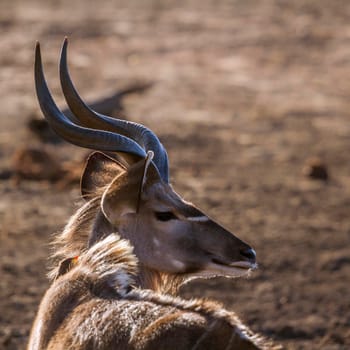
[168, 234]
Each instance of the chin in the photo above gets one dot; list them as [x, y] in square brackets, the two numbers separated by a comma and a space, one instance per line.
[212, 270]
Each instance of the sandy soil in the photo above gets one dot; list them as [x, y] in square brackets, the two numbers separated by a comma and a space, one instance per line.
[245, 95]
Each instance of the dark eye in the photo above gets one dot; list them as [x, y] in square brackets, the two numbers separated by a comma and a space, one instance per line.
[165, 215]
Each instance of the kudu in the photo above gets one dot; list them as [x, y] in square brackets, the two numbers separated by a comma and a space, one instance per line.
[125, 253]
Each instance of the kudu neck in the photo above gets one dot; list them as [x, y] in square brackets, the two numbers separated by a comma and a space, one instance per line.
[160, 282]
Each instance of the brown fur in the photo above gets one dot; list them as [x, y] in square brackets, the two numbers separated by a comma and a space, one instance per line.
[95, 305]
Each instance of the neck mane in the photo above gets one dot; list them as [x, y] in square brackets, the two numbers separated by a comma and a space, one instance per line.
[88, 226]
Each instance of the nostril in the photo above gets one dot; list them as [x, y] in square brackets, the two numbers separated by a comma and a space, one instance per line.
[249, 254]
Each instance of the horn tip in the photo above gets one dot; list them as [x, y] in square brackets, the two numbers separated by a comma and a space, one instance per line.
[37, 53]
[37, 46]
[64, 50]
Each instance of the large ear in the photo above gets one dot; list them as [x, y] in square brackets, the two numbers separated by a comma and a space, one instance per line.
[123, 195]
[100, 170]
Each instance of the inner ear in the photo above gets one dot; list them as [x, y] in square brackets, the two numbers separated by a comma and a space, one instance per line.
[99, 171]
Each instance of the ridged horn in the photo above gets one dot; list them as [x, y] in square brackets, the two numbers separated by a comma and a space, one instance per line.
[78, 135]
[91, 119]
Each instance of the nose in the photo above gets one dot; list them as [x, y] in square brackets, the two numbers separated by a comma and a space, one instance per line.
[248, 254]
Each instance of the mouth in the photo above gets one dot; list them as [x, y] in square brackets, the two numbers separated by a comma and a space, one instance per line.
[219, 268]
[237, 264]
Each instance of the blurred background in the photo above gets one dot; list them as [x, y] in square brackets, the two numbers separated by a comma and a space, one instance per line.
[251, 100]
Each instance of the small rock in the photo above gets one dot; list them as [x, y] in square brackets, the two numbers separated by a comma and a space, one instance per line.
[316, 169]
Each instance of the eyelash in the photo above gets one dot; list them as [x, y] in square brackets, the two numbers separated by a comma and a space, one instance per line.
[165, 215]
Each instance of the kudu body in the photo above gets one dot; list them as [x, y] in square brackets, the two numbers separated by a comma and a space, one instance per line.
[128, 249]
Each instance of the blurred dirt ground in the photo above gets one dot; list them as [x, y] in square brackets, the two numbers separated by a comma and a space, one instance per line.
[246, 95]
